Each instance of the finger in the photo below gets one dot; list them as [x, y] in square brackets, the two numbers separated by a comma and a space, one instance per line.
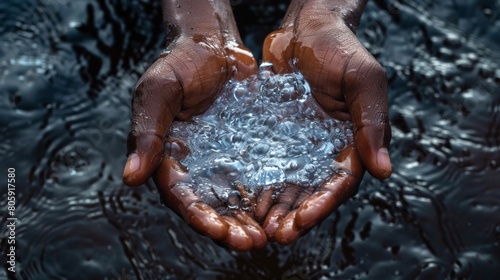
[264, 202]
[285, 202]
[303, 196]
[169, 174]
[252, 227]
[288, 232]
[155, 102]
[365, 87]
[331, 194]
[197, 213]
[243, 61]
[172, 182]
[205, 220]
[278, 50]
[237, 237]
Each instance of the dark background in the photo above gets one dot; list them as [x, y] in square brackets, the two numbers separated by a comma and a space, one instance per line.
[67, 69]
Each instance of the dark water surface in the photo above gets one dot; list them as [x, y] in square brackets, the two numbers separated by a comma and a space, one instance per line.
[66, 73]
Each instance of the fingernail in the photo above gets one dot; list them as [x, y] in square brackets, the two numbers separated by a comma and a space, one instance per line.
[383, 160]
[133, 163]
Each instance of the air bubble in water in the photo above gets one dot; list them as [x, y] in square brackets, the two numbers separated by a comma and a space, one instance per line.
[263, 132]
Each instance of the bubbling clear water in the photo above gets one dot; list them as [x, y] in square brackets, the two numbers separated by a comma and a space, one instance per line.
[266, 131]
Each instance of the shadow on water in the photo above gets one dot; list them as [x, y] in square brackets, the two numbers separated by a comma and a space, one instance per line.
[66, 72]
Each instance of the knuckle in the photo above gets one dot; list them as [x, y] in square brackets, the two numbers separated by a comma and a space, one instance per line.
[371, 70]
[150, 78]
[377, 70]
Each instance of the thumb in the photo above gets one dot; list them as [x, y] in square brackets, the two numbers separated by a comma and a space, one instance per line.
[242, 61]
[365, 88]
[156, 101]
[278, 49]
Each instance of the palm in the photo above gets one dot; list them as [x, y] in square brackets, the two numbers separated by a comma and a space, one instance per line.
[184, 82]
[349, 84]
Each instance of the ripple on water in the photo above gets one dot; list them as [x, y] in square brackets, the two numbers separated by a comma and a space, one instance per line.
[68, 166]
[66, 65]
[56, 224]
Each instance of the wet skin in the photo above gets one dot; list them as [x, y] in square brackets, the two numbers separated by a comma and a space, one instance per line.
[204, 54]
[349, 84]
[184, 81]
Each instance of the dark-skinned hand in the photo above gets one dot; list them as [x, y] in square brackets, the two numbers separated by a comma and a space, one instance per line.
[317, 39]
[182, 82]
[346, 81]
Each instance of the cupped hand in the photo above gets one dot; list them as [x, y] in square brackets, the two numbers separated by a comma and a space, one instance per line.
[349, 84]
[183, 82]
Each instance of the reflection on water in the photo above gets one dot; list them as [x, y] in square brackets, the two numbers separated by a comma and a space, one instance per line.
[66, 72]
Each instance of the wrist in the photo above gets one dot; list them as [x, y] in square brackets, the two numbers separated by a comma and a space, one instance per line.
[200, 19]
[325, 12]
